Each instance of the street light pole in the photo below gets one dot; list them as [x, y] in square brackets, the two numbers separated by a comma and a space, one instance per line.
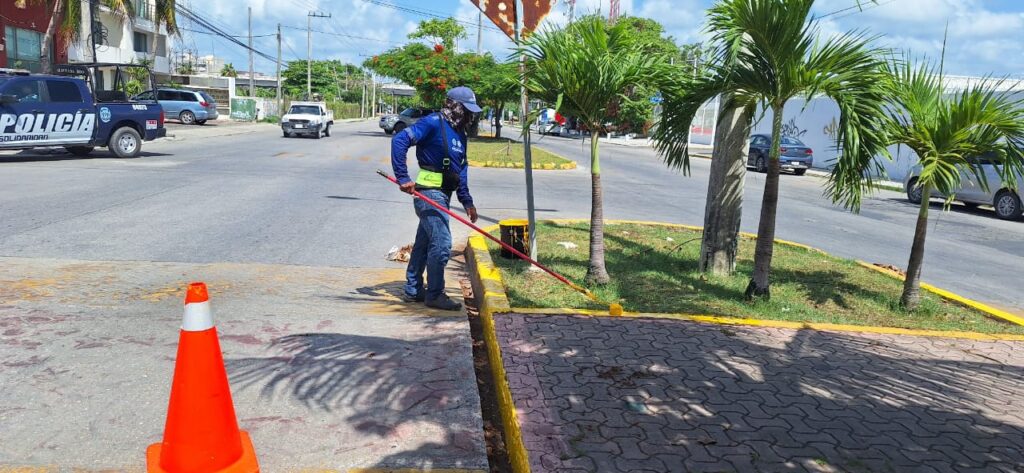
[280, 112]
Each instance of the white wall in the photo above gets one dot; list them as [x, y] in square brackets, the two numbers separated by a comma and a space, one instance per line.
[120, 45]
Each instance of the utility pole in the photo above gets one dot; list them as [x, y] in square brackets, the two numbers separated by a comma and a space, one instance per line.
[524, 113]
[280, 105]
[252, 79]
[362, 101]
[309, 50]
[373, 94]
[479, 32]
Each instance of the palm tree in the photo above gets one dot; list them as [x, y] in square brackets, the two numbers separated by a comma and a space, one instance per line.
[228, 70]
[66, 22]
[767, 54]
[165, 13]
[584, 69]
[946, 131]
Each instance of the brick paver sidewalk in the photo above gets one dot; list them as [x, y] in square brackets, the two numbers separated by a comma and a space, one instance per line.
[626, 394]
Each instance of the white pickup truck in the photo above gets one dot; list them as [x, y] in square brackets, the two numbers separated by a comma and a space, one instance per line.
[307, 118]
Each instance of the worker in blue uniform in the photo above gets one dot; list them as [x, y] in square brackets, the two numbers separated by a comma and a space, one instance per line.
[440, 141]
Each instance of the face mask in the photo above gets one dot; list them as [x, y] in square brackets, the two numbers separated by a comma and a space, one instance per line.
[456, 114]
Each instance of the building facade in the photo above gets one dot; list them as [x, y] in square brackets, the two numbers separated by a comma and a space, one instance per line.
[22, 28]
[111, 37]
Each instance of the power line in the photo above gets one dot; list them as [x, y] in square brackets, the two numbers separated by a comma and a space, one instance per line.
[197, 19]
[233, 36]
[859, 7]
[427, 14]
[343, 35]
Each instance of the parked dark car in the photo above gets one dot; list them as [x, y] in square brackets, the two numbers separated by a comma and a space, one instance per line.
[396, 123]
[795, 155]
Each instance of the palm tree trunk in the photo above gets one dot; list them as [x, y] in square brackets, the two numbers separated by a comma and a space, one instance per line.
[725, 192]
[596, 273]
[50, 37]
[912, 284]
[759, 281]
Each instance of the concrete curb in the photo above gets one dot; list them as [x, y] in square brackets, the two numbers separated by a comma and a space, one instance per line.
[490, 294]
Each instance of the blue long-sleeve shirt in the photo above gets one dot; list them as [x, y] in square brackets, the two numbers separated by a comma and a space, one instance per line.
[427, 137]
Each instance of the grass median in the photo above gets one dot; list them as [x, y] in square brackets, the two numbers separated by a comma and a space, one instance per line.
[654, 269]
[505, 153]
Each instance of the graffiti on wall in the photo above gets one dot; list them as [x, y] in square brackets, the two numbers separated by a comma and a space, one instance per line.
[792, 130]
[831, 129]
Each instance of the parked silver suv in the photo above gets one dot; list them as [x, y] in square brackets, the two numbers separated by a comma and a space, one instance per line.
[1005, 201]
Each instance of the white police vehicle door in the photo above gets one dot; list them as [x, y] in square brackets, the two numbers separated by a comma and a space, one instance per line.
[29, 118]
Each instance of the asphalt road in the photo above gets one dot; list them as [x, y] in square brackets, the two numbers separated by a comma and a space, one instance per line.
[259, 198]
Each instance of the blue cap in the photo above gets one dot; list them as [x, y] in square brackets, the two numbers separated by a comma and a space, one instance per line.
[466, 97]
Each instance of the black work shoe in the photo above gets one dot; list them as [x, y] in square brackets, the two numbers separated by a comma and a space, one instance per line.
[417, 298]
[443, 303]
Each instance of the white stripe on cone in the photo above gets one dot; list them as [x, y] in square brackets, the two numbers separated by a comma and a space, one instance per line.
[197, 317]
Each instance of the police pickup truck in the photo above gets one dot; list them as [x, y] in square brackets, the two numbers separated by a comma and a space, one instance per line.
[62, 110]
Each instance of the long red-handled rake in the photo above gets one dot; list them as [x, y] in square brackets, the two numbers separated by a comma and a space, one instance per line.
[613, 308]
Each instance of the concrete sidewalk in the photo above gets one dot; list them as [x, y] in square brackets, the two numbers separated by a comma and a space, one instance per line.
[329, 369]
[628, 394]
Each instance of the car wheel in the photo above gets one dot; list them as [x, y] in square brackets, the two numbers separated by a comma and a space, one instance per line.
[327, 131]
[286, 134]
[187, 117]
[318, 134]
[913, 192]
[1008, 205]
[799, 172]
[201, 122]
[388, 132]
[79, 150]
[399, 127]
[125, 142]
[760, 164]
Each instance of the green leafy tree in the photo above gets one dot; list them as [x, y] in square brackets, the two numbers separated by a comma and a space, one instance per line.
[769, 54]
[331, 79]
[498, 86]
[433, 71]
[585, 69]
[445, 32]
[945, 131]
[228, 70]
[165, 15]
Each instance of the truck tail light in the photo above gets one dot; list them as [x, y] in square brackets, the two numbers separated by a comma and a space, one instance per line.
[161, 119]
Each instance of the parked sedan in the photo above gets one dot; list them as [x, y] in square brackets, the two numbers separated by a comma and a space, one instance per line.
[795, 155]
[187, 106]
[972, 193]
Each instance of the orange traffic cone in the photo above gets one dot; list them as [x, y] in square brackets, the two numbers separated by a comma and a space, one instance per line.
[201, 435]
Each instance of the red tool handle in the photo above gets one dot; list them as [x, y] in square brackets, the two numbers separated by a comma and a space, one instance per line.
[488, 235]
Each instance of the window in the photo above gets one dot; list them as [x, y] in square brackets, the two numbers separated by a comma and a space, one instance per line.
[189, 97]
[760, 141]
[26, 91]
[786, 140]
[168, 95]
[207, 97]
[63, 91]
[141, 41]
[147, 95]
[24, 48]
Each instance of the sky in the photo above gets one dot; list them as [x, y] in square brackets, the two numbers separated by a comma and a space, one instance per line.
[985, 36]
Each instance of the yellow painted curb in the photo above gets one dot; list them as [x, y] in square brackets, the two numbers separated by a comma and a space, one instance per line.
[516, 165]
[490, 292]
[991, 311]
[822, 326]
